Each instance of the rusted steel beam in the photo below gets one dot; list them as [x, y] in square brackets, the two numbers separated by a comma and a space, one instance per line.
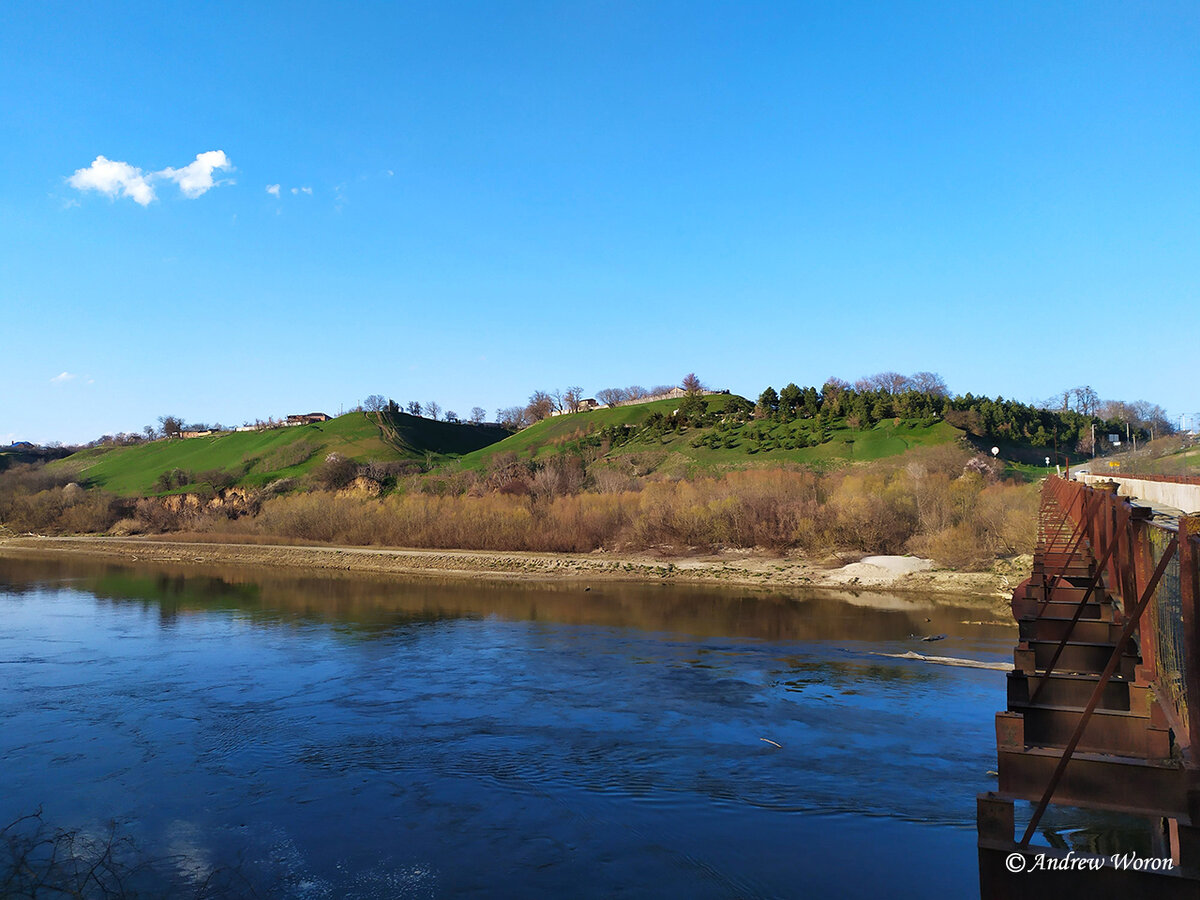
[1112, 545]
[1189, 528]
[1130, 624]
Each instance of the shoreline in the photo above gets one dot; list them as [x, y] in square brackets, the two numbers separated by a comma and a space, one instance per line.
[733, 568]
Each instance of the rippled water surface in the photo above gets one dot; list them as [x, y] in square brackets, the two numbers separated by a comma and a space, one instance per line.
[332, 737]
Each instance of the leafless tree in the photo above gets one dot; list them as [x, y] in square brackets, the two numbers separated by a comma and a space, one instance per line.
[541, 404]
[513, 417]
[171, 425]
[636, 392]
[892, 382]
[374, 403]
[432, 409]
[478, 414]
[930, 383]
[691, 383]
[612, 396]
[1087, 401]
[414, 407]
[571, 399]
[451, 416]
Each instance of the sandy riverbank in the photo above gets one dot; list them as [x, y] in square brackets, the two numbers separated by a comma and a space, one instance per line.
[892, 573]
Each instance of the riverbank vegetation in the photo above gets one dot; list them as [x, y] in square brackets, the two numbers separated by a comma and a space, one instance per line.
[890, 464]
[943, 502]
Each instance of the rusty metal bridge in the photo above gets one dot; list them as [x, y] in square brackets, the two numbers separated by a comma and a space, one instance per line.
[1104, 699]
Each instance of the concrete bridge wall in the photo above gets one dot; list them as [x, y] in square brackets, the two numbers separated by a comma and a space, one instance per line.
[1159, 494]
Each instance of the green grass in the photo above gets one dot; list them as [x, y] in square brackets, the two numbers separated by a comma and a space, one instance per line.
[690, 449]
[259, 457]
[540, 438]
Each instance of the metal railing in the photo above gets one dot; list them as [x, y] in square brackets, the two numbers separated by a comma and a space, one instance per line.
[1148, 570]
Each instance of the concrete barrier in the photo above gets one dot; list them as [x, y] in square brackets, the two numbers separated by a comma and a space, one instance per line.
[1184, 497]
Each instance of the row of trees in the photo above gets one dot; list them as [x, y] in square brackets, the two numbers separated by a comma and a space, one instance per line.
[429, 410]
[1068, 420]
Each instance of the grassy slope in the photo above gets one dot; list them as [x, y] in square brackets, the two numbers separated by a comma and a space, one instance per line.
[845, 444]
[133, 470]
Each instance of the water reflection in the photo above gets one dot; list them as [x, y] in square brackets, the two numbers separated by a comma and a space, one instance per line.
[350, 736]
[375, 603]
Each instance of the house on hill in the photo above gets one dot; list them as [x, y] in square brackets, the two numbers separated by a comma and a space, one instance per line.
[307, 418]
[584, 406]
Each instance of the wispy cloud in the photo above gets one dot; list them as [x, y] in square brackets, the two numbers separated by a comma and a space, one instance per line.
[63, 378]
[120, 179]
[302, 190]
[273, 190]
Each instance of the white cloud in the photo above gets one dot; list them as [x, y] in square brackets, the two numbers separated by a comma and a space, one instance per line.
[302, 190]
[115, 179]
[63, 378]
[273, 190]
[120, 179]
[196, 177]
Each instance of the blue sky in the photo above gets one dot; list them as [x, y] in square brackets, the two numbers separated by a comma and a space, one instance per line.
[479, 199]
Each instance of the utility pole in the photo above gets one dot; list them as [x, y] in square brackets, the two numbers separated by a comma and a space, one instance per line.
[1093, 440]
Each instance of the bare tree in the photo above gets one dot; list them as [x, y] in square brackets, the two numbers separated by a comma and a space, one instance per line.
[513, 417]
[414, 407]
[636, 392]
[691, 383]
[432, 409]
[1087, 401]
[892, 382]
[930, 383]
[572, 398]
[612, 396]
[478, 414]
[171, 425]
[374, 403]
[451, 416]
[541, 404]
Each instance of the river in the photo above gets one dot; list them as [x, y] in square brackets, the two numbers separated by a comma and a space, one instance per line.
[261, 734]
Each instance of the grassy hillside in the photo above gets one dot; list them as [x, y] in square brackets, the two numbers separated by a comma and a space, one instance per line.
[717, 444]
[258, 457]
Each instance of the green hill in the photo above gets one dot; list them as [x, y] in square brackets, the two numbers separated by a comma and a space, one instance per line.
[719, 438]
[255, 458]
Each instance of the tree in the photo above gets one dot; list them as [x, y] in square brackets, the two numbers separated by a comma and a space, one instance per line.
[414, 407]
[790, 399]
[1087, 401]
[541, 404]
[612, 396]
[451, 416]
[768, 402]
[513, 418]
[930, 383]
[171, 425]
[374, 403]
[892, 382]
[432, 409]
[478, 414]
[572, 398]
[636, 392]
[691, 383]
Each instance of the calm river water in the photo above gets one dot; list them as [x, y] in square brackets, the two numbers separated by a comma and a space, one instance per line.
[355, 737]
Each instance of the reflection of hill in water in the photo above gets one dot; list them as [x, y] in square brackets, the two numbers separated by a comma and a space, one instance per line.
[377, 603]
